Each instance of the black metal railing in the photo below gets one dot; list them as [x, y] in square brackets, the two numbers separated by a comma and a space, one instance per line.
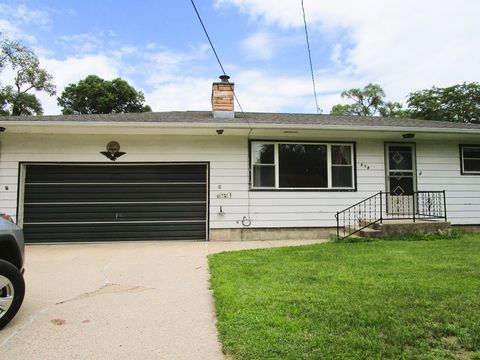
[430, 205]
[420, 205]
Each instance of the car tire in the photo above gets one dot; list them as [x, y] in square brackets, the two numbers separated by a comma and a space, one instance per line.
[12, 292]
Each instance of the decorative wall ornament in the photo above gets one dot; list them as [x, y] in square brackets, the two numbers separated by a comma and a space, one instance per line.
[113, 151]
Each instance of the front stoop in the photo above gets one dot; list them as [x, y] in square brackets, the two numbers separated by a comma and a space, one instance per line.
[404, 228]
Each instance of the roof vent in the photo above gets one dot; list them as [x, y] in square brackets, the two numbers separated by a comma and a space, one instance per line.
[223, 98]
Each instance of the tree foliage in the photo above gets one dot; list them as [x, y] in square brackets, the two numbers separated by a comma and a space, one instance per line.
[14, 98]
[458, 103]
[94, 95]
[368, 101]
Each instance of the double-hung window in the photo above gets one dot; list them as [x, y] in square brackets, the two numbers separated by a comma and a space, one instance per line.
[263, 162]
[297, 165]
[470, 159]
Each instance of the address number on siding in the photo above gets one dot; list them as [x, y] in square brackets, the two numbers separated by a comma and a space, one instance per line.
[227, 195]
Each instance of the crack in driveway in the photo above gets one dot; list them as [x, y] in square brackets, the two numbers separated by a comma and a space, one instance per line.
[107, 289]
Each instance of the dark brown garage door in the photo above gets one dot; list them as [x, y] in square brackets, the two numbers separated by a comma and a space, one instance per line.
[64, 203]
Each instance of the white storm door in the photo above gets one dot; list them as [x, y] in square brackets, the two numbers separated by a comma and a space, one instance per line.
[401, 182]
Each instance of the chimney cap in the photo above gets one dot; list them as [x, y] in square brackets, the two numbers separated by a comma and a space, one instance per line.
[224, 78]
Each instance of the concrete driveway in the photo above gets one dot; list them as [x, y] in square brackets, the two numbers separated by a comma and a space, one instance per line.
[119, 301]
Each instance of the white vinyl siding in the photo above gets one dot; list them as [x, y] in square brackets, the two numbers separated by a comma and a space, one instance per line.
[438, 168]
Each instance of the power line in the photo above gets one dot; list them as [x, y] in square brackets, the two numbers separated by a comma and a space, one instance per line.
[218, 59]
[246, 220]
[220, 63]
[310, 59]
[208, 37]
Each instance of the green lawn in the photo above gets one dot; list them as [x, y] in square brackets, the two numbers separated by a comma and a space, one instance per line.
[368, 300]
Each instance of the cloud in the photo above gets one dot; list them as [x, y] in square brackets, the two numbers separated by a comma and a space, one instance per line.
[82, 43]
[166, 83]
[14, 17]
[185, 93]
[28, 15]
[337, 54]
[14, 32]
[260, 45]
[168, 65]
[72, 70]
[265, 45]
[172, 89]
[253, 92]
[21, 14]
[258, 90]
[404, 45]
[287, 12]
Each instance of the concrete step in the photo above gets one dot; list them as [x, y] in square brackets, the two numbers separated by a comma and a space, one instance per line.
[401, 228]
[333, 236]
[389, 228]
[369, 232]
[366, 232]
[369, 224]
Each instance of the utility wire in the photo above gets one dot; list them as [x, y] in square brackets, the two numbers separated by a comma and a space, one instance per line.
[208, 37]
[246, 220]
[219, 62]
[319, 111]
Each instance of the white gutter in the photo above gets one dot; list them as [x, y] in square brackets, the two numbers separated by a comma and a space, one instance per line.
[235, 125]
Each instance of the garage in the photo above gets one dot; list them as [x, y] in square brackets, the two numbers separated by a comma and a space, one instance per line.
[114, 202]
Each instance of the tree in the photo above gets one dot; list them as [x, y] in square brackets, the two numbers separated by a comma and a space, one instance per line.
[458, 103]
[20, 103]
[393, 109]
[15, 99]
[94, 95]
[368, 101]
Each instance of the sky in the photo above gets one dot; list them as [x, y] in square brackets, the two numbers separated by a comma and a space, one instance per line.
[160, 48]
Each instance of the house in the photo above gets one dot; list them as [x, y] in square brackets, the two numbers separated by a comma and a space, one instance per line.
[225, 175]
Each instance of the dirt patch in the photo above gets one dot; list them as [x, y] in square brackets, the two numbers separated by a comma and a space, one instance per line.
[58, 322]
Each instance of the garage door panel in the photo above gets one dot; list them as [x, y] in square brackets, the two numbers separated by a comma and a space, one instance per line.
[115, 202]
[114, 232]
[114, 212]
[114, 192]
[114, 172]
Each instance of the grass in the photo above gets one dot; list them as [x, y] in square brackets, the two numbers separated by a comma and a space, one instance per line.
[368, 300]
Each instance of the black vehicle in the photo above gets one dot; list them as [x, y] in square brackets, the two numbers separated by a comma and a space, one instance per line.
[12, 284]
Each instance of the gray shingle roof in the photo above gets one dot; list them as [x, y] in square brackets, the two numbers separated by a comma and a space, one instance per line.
[253, 119]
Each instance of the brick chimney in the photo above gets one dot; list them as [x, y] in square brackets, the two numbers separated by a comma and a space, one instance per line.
[223, 98]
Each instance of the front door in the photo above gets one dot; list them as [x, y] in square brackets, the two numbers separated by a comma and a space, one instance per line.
[401, 179]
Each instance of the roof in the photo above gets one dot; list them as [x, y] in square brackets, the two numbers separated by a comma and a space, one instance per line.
[250, 119]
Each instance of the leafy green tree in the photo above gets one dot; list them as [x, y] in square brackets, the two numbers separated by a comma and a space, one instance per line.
[19, 103]
[458, 103]
[14, 98]
[368, 101]
[393, 109]
[94, 95]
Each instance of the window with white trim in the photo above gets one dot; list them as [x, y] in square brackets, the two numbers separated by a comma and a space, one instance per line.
[470, 159]
[297, 165]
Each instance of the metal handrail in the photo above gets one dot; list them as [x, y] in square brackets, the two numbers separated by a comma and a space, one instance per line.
[426, 205]
[362, 224]
[360, 202]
